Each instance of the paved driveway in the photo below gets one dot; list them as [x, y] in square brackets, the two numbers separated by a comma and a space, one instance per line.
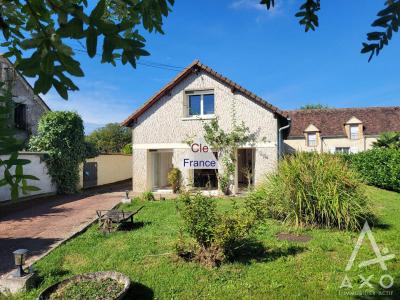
[41, 227]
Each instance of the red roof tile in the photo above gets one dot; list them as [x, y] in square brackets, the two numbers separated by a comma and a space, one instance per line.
[331, 122]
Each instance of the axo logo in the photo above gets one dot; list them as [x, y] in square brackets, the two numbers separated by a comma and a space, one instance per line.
[385, 281]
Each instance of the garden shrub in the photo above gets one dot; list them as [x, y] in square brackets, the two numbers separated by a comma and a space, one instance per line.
[127, 149]
[217, 234]
[148, 196]
[200, 216]
[61, 135]
[317, 190]
[174, 179]
[379, 167]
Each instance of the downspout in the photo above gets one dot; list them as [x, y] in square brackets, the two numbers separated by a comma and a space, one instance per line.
[280, 139]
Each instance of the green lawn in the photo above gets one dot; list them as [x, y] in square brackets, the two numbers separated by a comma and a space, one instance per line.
[286, 270]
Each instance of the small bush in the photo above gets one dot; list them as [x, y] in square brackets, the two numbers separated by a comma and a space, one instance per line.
[174, 179]
[224, 183]
[127, 149]
[379, 167]
[217, 235]
[148, 196]
[200, 217]
[315, 189]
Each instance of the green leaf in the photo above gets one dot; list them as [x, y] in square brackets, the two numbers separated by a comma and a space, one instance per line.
[31, 43]
[43, 84]
[71, 66]
[61, 89]
[91, 41]
[30, 177]
[48, 63]
[98, 11]
[31, 188]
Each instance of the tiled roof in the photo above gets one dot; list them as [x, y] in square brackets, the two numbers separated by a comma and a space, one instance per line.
[192, 68]
[331, 122]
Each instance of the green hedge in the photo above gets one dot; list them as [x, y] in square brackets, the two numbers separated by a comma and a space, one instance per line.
[379, 167]
[61, 135]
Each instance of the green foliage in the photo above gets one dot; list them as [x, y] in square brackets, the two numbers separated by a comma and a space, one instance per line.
[174, 179]
[88, 289]
[200, 217]
[148, 196]
[226, 144]
[388, 140]
[61, 135]
[314, 106]
[388, 19]
[127, 149]
[257, 273]
[311, 189]
[90, 150]
[13, 173]
[41, 29]
[307, 13]
[379, 167]
[110, 139]
[217, 234]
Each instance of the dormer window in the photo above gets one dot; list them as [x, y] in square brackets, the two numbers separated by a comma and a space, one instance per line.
[312, 139]
[354, 128]
[354, 132]
[311, 134]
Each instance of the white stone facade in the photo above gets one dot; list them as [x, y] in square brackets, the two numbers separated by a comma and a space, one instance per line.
[165, 125]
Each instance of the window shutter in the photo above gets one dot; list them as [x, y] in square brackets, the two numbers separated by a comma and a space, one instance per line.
[185, 109]
[332, 150]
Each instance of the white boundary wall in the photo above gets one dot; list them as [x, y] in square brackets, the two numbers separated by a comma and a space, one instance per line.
[38, 168]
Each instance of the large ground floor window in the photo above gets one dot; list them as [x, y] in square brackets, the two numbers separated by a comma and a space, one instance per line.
[205, 178]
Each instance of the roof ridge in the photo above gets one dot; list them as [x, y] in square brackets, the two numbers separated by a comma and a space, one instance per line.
[342, 108]
[177, 79]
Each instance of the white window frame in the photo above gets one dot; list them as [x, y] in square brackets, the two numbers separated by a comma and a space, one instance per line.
[201, 94]
[354, 136]
[342, 150]
[308, 139]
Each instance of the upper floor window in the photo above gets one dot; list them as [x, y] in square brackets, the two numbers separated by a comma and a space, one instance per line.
[20, 116]
[354, 132]
[200, 103]
[311, 139]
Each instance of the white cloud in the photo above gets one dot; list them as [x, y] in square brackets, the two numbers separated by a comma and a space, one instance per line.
[248, 4]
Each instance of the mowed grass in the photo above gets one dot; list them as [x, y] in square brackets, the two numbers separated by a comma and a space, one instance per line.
[286, 270]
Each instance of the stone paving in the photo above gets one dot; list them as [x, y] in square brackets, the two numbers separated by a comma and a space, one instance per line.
[41, 227]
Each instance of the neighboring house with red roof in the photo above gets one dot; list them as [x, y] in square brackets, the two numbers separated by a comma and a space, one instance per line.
[348, 130]
[199, 94]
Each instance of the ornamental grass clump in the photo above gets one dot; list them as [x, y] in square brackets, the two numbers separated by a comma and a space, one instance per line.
[311, 189]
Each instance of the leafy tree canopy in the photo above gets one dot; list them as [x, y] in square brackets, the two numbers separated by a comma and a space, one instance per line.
[36, 34]
[110, 139]
[387, 22]
[314, 106]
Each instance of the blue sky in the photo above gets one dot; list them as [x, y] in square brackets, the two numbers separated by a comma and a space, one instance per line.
[265, 51]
